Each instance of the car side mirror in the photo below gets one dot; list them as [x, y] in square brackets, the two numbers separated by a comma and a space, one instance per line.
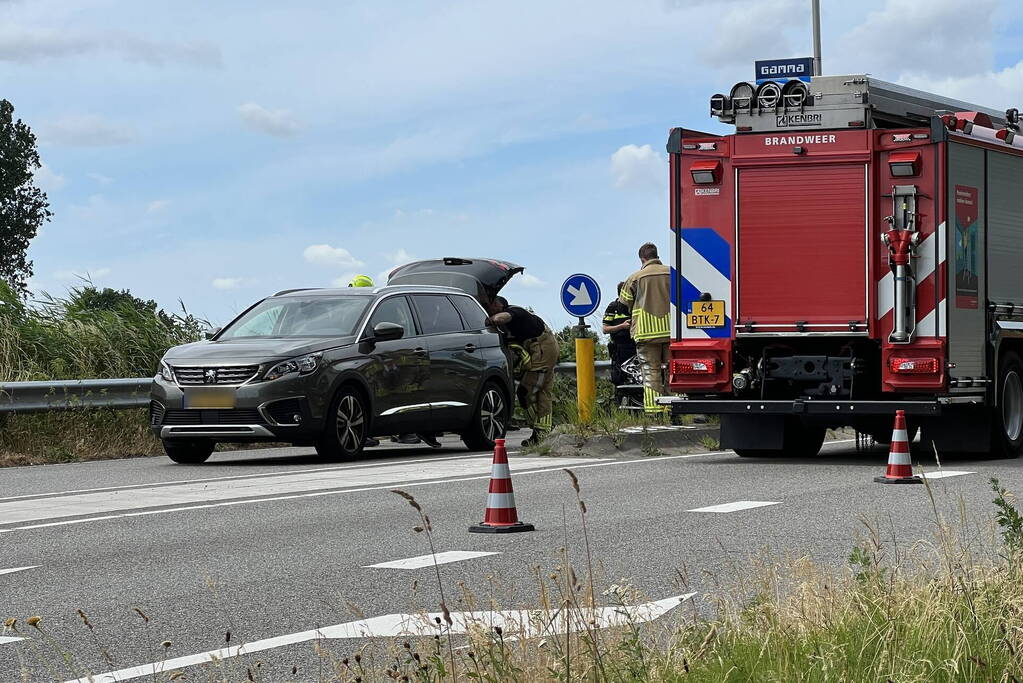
[210, 334]
[387, 332]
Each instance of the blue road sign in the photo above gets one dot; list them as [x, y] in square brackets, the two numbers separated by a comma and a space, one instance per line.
[580, 295]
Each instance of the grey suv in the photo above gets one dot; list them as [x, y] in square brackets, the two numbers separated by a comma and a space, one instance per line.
[331, 367]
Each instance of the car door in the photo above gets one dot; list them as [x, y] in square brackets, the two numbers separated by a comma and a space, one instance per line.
[456, 365]
[398, 371]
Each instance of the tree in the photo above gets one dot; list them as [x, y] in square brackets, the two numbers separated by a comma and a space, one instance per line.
[566, 344]
[23, 206]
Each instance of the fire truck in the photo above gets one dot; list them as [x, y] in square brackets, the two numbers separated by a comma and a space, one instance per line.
[853, 248]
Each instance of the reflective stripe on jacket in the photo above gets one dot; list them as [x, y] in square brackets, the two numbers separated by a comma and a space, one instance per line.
[648, 292]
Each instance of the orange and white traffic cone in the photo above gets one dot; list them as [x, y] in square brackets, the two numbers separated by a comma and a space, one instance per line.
[501, 517]
[900, 469]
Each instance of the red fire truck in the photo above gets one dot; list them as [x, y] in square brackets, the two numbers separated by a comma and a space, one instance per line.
[855, 247]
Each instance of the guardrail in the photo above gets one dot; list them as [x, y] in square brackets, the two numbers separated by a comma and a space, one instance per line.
[40, 397]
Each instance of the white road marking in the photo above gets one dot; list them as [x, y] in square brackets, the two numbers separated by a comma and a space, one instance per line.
[9, 639]
[254, 475]
[17, 569]
[514, 623]
[941, 474]
[735, 507]
[184, 495]
[430, 560]
[518, 462]
[557, 463]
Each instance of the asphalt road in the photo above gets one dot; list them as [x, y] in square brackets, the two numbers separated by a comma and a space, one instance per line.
[268, 544]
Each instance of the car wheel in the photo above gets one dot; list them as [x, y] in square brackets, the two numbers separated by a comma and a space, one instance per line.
[1007, 439]
[345, 434]
[489, 420]
[188, 452]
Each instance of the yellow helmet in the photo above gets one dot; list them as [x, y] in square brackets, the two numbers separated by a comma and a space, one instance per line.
[361, 281]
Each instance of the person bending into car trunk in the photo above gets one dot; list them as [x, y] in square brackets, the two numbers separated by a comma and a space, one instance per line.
[535, 388]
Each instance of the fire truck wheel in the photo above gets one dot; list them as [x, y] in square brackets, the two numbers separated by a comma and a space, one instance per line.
[1007, 441]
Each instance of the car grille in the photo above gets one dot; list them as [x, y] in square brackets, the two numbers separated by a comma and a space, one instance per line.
[236, 416]
[156, 411]
[283, 412]
[235, 374]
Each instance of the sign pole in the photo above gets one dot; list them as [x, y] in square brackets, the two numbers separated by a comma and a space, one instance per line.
[815, 10]
[585, 372]
[580, 296]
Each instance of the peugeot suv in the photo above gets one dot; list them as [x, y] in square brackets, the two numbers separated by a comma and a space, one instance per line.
[331, 367]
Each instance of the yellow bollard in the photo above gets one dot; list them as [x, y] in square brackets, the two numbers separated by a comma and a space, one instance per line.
[585, 377]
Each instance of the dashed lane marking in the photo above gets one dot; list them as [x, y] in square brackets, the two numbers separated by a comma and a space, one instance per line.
[4, 640]
[513, 623]
[942, 474]
[736, 506]
[430, 560]
[17, 569]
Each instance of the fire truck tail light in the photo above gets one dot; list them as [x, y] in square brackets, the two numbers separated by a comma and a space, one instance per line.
[706, 171]
[694, 366]
[904, 164]
[914, 366]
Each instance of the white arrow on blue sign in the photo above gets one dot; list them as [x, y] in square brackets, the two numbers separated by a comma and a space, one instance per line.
[580, 295]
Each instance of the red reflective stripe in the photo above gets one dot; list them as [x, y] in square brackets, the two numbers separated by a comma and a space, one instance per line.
[500, 486]
[501, 516]
[899, 447]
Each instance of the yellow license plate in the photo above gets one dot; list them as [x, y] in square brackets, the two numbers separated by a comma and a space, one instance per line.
[208, 397]
[706, 314]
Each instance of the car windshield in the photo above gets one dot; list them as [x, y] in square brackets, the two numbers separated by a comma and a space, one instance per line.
[293, 316]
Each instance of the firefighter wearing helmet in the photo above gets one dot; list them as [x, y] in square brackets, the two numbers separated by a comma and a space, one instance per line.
[647, 293]
[361, 281]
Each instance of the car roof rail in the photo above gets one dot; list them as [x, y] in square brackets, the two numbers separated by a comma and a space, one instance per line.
[296, 289]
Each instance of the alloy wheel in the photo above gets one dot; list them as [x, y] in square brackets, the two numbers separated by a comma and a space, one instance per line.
[350, 423]
[492, 414]
[1012, 405]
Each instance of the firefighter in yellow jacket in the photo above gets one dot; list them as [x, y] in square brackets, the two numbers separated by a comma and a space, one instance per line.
[647, 292]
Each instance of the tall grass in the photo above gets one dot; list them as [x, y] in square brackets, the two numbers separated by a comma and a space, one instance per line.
[87, 334]
[83, 336]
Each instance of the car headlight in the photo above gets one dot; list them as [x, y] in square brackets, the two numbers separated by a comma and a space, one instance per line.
[303, 366]
[166, 373]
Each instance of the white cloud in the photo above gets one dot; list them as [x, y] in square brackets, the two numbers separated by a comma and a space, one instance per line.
[529, 281]
[639, 168]
[84, 274]
[226, 282]
[23, 45]
[47, 179]
[400, 257]
[158, 205]
[86, 131]
[277, 122]
[100, 178]
[936, 39]
[751, 30]
[335, 257]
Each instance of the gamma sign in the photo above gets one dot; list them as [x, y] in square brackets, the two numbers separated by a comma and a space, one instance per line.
[706, 315]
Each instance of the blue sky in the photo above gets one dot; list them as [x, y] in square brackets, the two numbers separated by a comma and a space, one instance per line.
[217, 152]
